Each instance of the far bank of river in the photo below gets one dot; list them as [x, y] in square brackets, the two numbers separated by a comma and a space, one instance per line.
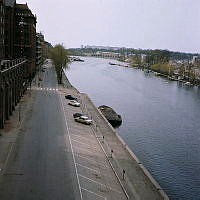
[160, 120]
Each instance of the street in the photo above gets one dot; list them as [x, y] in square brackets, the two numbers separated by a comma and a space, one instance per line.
[40, 164]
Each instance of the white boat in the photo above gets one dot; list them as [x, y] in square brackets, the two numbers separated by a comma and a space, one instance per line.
[188, 84]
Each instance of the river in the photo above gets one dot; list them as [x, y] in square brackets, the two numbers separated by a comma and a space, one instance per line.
[161, 120]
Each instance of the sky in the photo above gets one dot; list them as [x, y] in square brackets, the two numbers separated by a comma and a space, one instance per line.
[144, 24]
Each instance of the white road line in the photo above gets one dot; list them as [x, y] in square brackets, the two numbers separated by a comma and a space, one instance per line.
[83, 149]
[83, 137]
[88, 168]
[6, 162]
[94, 193]
[91, 180]
[106, 166]
[82, 143]
[71, 150]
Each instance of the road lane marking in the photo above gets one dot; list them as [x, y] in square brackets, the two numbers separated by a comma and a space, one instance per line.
[43, 88]
[93, 139]
[106, 166]
[88, 168]
[82, 143]
[83, 149]
[71, 150]
[91, 180]
[94, 193]
[10, 152]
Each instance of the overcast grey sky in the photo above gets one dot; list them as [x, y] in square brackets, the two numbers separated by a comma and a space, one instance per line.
[163, 24]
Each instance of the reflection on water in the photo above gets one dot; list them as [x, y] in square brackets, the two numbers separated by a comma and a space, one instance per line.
[160, 120]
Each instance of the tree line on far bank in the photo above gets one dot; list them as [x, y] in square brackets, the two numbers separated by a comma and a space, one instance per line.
[156, 60]
[127, 51]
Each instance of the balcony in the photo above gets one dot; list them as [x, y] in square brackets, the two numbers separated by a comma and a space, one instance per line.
[9, 64]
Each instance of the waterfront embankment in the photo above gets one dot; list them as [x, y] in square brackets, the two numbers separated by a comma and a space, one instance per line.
[134, 178]
[55, 156]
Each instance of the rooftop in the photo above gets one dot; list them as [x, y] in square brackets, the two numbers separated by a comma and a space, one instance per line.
[22, 6]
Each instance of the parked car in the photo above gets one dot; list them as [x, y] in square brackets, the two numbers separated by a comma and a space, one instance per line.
[78, 117]
[71, 97]
[74, 103]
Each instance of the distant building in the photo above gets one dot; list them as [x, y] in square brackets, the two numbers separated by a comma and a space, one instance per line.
[104, 54]
[39, 50]
[2, 29]
[104, 47]
[196, 60]
[46, 47]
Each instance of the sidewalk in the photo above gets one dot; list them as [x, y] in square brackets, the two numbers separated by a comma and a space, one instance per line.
[12, 127]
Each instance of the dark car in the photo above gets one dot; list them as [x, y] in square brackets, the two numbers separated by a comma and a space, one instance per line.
[77, 115]
[71, 97]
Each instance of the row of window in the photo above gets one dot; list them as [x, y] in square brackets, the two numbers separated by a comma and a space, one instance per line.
[1, 9]
[22, 14]
[2, 31]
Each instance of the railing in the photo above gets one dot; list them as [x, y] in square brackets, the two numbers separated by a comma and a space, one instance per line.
[6, 64]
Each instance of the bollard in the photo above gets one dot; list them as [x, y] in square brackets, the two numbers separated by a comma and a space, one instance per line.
[124, 174]
[103, 139]
[19, 112]
[111, 152]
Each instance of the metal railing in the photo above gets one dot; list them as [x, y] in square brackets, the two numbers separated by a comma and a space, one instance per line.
[7, 64]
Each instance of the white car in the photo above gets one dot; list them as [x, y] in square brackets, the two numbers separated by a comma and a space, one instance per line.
[74, 103]
[83, 119]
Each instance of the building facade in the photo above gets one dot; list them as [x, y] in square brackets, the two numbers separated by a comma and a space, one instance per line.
[17, 54]
[9, 29]
[39, 50]
[25, 36]
[2, 29]
[13, 84]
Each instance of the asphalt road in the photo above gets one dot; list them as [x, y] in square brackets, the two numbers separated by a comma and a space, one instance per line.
[40, 163]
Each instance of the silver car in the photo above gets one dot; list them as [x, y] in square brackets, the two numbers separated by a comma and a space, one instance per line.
[74, 103]
[83, 119]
